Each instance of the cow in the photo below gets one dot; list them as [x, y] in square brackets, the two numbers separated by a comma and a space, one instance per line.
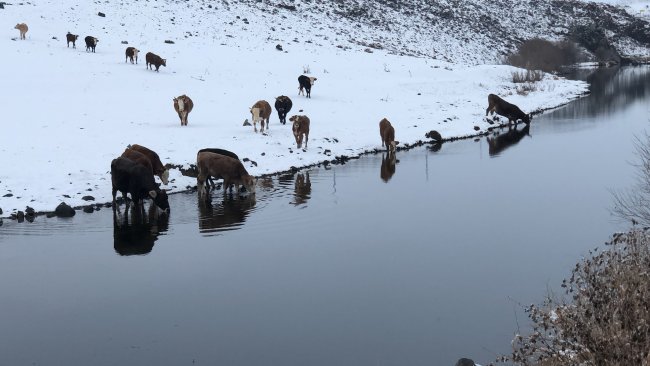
[156, 164]
[305, 83]
[387, 169]
[155, 60]
[130, 177]
[300, 128]
[22, 28]
[183, 106]
[283, 105]
[91, 43]
[231, 170]
[387, 133]
[503, 108]
[261, 111]
[497, 144]
[218, 151]
[131, 53]
[71, 38]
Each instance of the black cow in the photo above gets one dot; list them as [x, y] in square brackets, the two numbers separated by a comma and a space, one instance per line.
[91, 43]
[283, 105]
[220, 152]
[131, 177]
[305, 83]
[497, 144]
[503, 108]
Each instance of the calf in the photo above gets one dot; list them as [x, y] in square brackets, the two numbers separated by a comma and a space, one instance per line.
[387, 133]
[133, 178]
[155, 60]
[283, 105]
[183, 106]
[231, 170]
[300, 128]
[71, 38]
[22, 28]
[503, 108]
[261, 111]
[156, 164]
[131, 53]
[305, 83]
[91, 43]
[220, 152]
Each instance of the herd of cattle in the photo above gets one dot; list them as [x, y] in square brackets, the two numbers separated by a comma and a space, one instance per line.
[133, 172]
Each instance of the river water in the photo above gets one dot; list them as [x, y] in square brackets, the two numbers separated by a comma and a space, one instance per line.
[367, 263]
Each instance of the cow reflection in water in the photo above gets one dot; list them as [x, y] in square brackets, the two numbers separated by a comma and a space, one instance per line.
[138, 236]
[302, 189]
[388, 162]
[503, 141]
[229, 214]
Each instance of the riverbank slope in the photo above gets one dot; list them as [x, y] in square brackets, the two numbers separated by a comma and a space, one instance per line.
[69, 112]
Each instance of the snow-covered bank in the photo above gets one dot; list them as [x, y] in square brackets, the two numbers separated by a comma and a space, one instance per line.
[68, 113]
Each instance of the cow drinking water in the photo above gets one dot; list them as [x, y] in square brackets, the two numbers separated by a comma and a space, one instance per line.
[508, 110]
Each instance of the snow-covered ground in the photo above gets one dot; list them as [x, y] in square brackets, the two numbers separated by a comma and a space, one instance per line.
[67, 113]
[639, 8]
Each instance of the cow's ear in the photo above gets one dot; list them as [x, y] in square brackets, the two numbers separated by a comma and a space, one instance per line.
[153, 194]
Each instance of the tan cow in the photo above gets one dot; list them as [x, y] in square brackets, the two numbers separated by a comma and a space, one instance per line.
[23, 28]
[156, 164]
[231, 170]
[300, 128]
[261, 112]
[387, 133]
[183, 106]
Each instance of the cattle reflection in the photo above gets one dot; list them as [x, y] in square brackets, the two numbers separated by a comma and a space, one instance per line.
[302, 189]
[388, 162]
[500, 142]
[138, 236]
[229, 214]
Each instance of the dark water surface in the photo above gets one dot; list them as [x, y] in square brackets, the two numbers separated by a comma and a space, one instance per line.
[346, 266]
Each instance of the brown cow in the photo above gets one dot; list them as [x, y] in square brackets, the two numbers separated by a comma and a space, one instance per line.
[387, 133]
[131, 53]
[300, 128]
[183, 106]
[71, 38]
[503, 108]
[231, 170]
[138, 157]
[261, 111]
[158, 168]
[23, 28]
[155, 60]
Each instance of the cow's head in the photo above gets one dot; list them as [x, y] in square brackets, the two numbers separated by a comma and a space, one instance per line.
[164, 62]
[96, 40]
[311, 80]
[159, 197]
[393, 146]
[527, 118]
[135, 52]
[17, 26]
[165, 177]
[249, 182]
[180, 102]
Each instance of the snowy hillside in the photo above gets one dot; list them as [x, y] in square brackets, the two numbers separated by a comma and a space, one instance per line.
[71, 112]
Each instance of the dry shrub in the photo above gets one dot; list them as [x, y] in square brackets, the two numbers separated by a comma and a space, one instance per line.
[528, 76]
[607, 319]
[633, 204]
[540, 54]
[526, 88]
